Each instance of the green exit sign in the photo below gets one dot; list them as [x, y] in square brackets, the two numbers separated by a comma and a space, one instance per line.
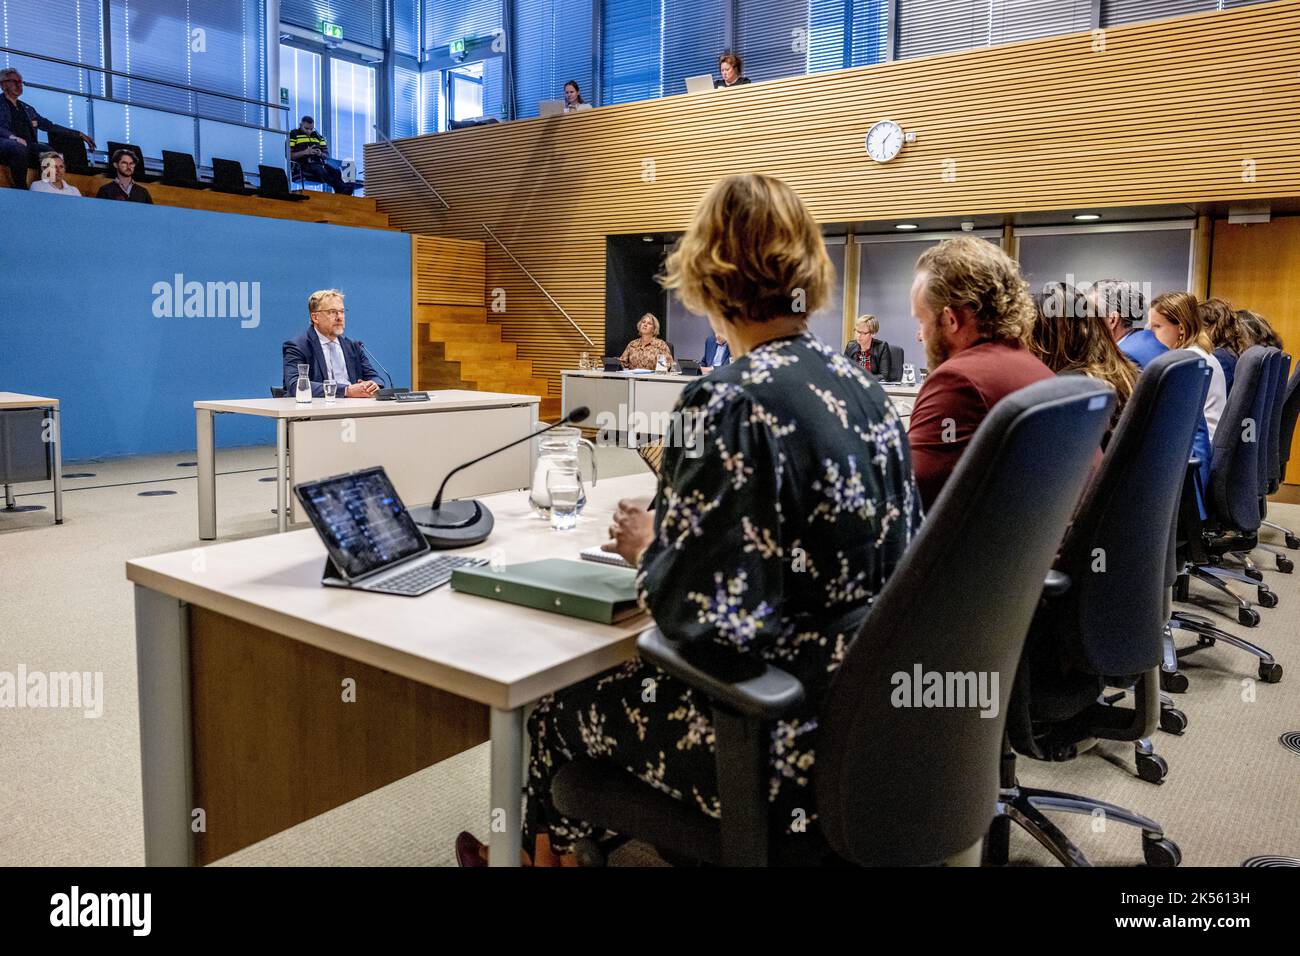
[457, 47]
[332, 30]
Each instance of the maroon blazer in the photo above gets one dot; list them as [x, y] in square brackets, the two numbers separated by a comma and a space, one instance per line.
[954, 400]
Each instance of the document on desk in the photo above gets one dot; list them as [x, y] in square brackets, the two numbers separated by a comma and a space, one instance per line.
[593, 592]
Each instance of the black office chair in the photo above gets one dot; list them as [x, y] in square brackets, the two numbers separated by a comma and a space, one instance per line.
[1287, 406]
[228, 177]
[140, 175]
[1233, 506]
[73, 149]
[275, 185]
[277, 391]
[896, 359]
[895, 785]
[1105, 627]
[179, 170]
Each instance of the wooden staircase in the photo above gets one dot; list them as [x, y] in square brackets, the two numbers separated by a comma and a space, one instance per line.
[456, 344]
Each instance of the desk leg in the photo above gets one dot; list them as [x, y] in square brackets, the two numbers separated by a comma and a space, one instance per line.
[10, 503]
[507, 727]
[281, 474]
[58, 466]
[207, 474]
[166, 760]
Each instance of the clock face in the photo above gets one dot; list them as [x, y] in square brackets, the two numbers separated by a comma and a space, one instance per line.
[884, 140]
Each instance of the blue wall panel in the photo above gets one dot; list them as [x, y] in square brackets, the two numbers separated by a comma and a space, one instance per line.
[83, 280]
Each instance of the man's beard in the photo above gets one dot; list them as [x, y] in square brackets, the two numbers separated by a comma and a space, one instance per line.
[936, 352]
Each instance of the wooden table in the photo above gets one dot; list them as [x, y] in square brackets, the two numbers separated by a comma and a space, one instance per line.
[245, 661]
[416, 442]
[14, 401]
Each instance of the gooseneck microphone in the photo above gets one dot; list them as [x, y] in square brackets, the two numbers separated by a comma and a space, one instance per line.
[362, 345]
[458, 524]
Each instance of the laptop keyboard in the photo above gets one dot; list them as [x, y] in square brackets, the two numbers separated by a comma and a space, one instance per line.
[428, 575]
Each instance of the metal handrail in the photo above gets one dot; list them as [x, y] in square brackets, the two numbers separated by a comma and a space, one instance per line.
[522, 268]
[139, 79]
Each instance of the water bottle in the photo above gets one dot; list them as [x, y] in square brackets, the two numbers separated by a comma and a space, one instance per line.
[303, 395]
[661, 364]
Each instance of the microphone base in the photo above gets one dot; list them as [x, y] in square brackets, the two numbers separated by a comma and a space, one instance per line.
[389, 394]
[456, 524]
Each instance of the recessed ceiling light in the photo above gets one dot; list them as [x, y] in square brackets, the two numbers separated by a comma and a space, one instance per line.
[906, 225]
[1087, 217]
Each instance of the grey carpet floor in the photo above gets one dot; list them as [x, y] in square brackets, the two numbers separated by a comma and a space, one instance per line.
[70, 785]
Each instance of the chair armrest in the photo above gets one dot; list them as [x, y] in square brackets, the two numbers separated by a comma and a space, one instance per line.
[744, 684]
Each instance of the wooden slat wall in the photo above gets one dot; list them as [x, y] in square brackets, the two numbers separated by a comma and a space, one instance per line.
[1166, 114]
[447, 271]
[1255, 267]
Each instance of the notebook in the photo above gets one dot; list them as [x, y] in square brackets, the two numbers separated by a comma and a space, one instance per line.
[593, 592]
[603, 557]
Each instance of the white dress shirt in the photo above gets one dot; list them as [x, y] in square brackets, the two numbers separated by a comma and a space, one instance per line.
[1217, 398]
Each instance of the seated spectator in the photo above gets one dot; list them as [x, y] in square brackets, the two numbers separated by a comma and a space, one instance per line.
[1120, 304]
[1257, 331]
[19, 122]
[329, 355]
[1175, 319]
[1069, 336]
[644, 352]
[52, 180]
[309, 150]
[789, 476]
[123, 186]
[717, 352]
[732, 68]
[573, 101]
[870, 353]
[1226, 335]
[975, 315]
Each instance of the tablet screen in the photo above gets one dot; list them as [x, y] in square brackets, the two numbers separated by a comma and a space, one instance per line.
[362, 521]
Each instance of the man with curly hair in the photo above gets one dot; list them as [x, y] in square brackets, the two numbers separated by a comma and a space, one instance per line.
[975, 314]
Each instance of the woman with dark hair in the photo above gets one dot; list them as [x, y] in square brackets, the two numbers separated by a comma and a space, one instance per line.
[732, 68]
[1226, 335]
[1069, 336]
[770, 547]
[1256, 330]
[573, 101]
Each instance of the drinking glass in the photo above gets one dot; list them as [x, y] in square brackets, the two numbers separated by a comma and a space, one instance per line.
[909, 373]
[329, 386]
[564, 484]
[584, 361]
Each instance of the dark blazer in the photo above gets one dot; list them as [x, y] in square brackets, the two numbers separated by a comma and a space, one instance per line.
[306, 349]
[111, 190]
[710, 346]
[721, 85]
[35, 121]
[882, 359]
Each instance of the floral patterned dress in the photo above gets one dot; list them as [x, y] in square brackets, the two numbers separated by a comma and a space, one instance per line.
[772, 539]
[639, 354]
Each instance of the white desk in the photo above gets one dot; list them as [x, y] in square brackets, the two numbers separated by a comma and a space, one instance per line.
[14, 401]
[623, 401]
[416, 442]
[240, 757]
[903, 397]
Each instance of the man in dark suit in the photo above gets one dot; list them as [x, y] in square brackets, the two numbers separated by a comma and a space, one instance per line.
[870, 352]
[717, 353]
[19, 122]
[329, 354]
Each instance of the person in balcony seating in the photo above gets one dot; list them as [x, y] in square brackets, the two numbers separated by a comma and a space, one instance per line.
[309, 150]
[52, 180]
[123, 187]
[19, 122]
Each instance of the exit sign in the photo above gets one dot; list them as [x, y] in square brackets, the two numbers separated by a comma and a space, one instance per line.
[457, 47]
[331, 30]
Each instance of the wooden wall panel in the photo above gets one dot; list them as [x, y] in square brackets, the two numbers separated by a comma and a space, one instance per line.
[1256, 267]
[1166, 114]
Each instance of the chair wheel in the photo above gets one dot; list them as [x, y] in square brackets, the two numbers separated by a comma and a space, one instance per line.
[1270, 672]
[1285, 564]
[1173, 721]
[1267, 598]
[1173, 683]
[1255, 574]
[1248, 616]
[589, 853]
[1152, 767]
[1292, 542]
[1161, 852]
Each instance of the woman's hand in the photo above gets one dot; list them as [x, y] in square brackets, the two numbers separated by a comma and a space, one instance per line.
[632, 529]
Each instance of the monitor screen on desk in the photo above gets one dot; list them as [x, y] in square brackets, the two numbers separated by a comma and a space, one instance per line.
[362, 521]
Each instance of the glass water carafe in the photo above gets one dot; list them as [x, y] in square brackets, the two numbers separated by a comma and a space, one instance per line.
[558, 447]
[303, 394]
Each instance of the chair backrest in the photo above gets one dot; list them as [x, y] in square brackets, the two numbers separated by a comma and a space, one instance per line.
[896, 354]
[1236, 459]
[277, 391]
[1273, 477]
[958, 603]
[113, 147]
[73, 149]
[273, 179]
[1290, 412]
[179, 167]
[228, 172]
[1112, 618]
